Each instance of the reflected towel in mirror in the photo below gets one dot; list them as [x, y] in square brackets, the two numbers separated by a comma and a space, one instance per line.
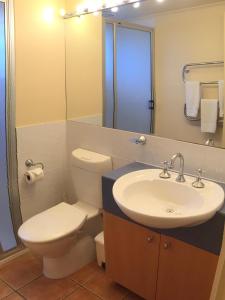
[221, 98]
[192, 95]
[209, 115]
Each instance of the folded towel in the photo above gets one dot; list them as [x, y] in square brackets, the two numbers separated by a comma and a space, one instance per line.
[192, 92]
[221, 98]
[209, 115]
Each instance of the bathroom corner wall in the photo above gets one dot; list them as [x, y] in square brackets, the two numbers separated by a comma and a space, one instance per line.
[40, 62]
[44, 143]
[40, 101]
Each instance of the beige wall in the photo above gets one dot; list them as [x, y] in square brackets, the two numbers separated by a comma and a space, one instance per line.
[40, 62]
[83, 65]
[192, 35]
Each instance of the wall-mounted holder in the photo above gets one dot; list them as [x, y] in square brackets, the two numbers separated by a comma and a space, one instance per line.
[30, 163]
[187, 69]
[141, 140]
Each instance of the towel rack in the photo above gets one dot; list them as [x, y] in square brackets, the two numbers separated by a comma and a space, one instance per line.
[187, 68]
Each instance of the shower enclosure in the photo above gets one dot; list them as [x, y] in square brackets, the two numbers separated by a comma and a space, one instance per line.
[10, 217]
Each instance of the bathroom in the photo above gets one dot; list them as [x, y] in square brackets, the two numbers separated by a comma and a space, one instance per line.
[80, 152]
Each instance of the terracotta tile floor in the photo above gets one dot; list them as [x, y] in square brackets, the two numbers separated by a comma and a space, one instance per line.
[22, 279]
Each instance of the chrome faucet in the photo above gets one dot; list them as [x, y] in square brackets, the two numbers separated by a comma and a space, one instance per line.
[180, 177]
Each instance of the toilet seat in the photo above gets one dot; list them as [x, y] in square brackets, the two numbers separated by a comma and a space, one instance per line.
[53, 224]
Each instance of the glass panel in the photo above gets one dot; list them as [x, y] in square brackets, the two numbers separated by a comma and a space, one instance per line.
[109, 74]
[133, 79]
[7, 238]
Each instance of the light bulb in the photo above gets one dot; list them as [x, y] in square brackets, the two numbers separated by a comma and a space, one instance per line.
[114, 9]
[48, 14]
[62, 12]
[80, 9]
[96, 13]
[136, 5]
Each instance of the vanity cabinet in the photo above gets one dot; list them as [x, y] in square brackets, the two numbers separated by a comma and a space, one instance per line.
[154, 266]
[185, 272]
[131, 255]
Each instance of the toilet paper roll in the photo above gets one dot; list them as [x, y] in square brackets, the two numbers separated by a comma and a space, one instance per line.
[33, 176]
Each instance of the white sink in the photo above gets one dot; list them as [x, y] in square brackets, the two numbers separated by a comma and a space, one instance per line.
[165, 203]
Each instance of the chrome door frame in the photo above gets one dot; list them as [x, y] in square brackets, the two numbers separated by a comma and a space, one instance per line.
[14, 200]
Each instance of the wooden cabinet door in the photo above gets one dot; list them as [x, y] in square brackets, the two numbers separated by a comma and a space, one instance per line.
[185, 272]
[132, 253]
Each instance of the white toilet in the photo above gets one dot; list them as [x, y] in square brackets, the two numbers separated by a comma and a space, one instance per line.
[64, 234]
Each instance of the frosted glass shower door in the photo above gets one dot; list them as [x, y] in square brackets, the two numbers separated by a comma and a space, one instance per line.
[7, 238]
[133, 80]
[108, 119]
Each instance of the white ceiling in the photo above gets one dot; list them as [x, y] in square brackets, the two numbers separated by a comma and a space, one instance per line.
[153, 7]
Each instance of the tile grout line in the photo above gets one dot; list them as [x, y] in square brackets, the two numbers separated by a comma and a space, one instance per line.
[68, 295]
[12, 292]
[83, 285]
[87, 289]
[21, 287]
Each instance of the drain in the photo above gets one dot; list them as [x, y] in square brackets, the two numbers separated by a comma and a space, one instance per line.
[170, 211]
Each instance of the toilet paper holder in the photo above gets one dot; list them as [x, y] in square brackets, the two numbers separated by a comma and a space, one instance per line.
[30, 163]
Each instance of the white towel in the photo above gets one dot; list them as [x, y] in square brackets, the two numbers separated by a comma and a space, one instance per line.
[209, 115]
[221, 98]
[192, 92]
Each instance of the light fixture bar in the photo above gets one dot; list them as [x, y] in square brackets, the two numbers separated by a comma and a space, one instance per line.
[86, 11]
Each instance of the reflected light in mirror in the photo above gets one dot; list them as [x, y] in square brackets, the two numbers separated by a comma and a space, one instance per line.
[88, 7]
[115, 9]
[48, 14]
[136, 5]
[62, 12]
[80, 9]
[79, 19]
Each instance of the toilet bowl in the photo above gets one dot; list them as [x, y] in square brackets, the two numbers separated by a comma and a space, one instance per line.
[64, 234]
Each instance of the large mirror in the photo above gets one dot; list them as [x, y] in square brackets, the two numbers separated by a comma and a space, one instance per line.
[156, 67]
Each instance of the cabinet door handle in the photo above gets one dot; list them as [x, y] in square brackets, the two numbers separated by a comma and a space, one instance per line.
[166, 245]
[150, 239]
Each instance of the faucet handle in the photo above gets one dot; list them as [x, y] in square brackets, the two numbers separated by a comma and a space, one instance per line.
[165, 173]
[165, 164]
[198, 184]
[200, 172]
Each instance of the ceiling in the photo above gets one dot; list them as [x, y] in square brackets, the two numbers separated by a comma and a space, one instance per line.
[153, 7]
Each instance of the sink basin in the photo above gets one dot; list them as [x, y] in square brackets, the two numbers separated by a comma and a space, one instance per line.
[165, 203]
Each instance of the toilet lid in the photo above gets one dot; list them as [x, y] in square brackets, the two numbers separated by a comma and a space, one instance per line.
[52, 224]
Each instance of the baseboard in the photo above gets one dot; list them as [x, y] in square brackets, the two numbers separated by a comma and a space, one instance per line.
[13, 256]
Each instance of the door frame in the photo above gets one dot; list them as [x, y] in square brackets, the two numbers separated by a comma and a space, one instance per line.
[13, 189]
[126, 24]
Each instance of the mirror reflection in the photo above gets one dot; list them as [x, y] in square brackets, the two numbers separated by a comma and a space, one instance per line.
[148, 68]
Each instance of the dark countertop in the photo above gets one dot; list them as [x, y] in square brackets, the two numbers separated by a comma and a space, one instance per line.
[207, 236]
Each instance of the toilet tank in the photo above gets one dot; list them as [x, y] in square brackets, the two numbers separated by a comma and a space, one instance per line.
[87, 170]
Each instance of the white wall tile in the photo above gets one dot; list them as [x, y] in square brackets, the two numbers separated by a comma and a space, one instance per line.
[118, 144]
[44, 143]
[53, 143]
